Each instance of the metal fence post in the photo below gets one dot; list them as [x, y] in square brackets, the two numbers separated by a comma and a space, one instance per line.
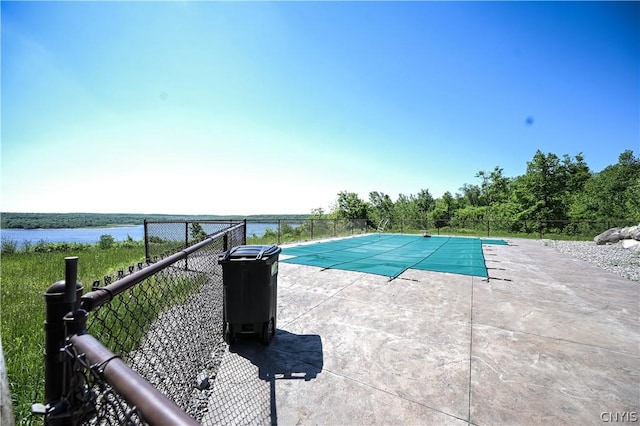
[244, 236]
[186, 244]
[77, 406]
[60, 299]
[146, 241]
[540, 228]
[279, 231]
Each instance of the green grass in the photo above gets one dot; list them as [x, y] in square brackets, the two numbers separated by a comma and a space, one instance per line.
[24, 278]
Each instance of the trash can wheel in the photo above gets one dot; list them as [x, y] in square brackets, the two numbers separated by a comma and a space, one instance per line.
[229, 336]
[227, 330]
[268, 331]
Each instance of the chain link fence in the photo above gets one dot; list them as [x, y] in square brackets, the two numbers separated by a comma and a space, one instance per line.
[279, 231]
[162, 237]
[154, 330]
[576, 229]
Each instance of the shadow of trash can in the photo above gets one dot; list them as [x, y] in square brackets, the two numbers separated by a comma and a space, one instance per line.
[250, 291]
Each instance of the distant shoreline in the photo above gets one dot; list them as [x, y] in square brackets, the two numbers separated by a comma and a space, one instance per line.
[11, 220]
[111, 225]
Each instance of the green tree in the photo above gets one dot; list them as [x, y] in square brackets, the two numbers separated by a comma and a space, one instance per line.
[317, 213]
[444, 209]
[405, 209]
[425, 203]
[381, 207]
[494, 187]
[350, 206]
[540, 192]
[611, 193]
[577, 173]
[493, 193]
[197, 233]
[471, 194]
[632, 204]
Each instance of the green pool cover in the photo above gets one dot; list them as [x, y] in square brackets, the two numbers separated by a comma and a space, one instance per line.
[392, 254]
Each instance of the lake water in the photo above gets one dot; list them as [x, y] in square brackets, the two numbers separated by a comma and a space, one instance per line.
[92, 235]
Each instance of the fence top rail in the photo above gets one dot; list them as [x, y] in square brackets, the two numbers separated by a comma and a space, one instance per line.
[218, 221]
[153, 406]
[100, 296]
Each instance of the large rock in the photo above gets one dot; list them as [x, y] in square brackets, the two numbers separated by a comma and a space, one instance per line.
[612, 235]
[629, 232]
[631, 245]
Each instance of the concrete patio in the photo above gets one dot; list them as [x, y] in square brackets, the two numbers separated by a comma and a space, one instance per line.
[547, 339]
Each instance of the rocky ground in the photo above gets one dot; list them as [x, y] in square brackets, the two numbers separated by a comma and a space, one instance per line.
[612, 257]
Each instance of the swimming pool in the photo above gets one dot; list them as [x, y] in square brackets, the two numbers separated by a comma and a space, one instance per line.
[392, 254]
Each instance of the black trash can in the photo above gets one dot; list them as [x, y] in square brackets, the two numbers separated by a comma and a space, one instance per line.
[250, 283]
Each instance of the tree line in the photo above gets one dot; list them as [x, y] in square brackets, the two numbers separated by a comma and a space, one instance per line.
[562, 192]
[94, 220]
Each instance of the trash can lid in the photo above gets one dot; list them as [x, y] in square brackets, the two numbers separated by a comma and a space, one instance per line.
[252, 252]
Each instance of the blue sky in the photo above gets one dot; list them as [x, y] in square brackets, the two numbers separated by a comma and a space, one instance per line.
[274, 107]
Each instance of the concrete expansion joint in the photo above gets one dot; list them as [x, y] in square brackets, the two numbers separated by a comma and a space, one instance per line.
[331, 297]
[559, 339]
[471, 347]
[395, 394]
[344, 288]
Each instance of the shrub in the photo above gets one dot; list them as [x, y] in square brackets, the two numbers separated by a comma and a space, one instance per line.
[106, 241]
[27, 246]
[8, 246]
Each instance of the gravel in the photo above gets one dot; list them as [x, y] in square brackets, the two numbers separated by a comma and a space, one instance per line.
[611, 257]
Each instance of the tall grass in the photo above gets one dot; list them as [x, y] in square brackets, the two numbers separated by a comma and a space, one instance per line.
[24, 277]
